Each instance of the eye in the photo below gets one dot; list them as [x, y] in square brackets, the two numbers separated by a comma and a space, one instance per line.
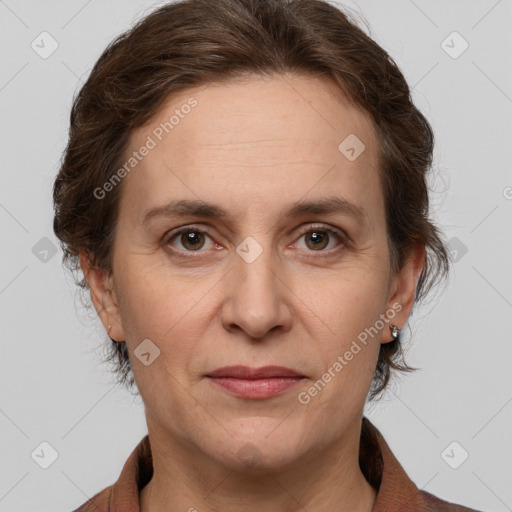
[190, 238]
[193, 239]
[318, 238]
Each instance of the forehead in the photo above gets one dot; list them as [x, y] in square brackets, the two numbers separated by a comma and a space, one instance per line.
[243, 141]
[256, 110]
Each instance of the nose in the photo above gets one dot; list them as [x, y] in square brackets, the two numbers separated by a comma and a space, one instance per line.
[257, 298]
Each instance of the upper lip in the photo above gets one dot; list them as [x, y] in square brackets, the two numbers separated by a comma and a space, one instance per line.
[245, 372]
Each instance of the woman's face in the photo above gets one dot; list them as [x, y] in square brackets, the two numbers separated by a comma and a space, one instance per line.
[263, 284]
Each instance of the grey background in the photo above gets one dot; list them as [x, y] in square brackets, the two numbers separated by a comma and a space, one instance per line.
[53, 388]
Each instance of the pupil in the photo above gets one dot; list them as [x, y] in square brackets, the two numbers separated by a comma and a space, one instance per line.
[192, 238]
[317, 237]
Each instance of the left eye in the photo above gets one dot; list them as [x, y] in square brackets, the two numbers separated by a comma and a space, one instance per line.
[318, 239]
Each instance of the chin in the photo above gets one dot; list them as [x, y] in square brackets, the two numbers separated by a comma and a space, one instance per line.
[258, 445]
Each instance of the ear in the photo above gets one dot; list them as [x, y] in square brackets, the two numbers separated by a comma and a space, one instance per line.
[403, 289]
[103, 296]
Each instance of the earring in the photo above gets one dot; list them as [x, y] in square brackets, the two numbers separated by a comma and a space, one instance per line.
[395, 331]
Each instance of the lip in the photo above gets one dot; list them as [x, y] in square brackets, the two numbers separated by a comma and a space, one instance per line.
[245, 372]
[255, 383]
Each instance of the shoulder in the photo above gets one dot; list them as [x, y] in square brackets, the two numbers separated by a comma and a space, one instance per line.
[100, 502]
[435, 504]
[396, 491]
[123, 495]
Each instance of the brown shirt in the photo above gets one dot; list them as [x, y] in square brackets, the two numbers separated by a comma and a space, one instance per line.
[396, 492]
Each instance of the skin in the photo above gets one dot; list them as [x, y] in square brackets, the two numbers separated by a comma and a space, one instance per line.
[254, 147]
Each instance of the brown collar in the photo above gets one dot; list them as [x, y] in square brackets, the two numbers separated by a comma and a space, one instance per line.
[396, 492]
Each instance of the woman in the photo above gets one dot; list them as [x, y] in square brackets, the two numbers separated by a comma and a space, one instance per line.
[244, 189]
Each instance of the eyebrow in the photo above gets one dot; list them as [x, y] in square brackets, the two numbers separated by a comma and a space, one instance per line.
[324, 206]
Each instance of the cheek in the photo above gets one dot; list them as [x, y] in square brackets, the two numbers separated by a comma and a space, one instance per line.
[348, 349]
[350, 301]
[164, 309]
[156, 310]
[152, 301]
[349, 342]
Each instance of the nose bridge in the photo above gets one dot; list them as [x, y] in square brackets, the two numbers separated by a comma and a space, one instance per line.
[256, 302]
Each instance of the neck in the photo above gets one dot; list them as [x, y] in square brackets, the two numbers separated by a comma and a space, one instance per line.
[185, 479]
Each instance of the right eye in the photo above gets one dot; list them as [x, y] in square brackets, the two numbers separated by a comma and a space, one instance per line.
[190, 238]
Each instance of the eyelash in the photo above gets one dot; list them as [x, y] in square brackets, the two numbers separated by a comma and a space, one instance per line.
[307, 229]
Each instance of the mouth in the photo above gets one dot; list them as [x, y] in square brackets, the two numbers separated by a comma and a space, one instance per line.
[255, 383]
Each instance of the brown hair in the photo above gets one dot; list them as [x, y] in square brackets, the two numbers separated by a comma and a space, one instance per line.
[194, 42]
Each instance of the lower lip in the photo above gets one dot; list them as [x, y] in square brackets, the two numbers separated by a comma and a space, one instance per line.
[256, 388]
